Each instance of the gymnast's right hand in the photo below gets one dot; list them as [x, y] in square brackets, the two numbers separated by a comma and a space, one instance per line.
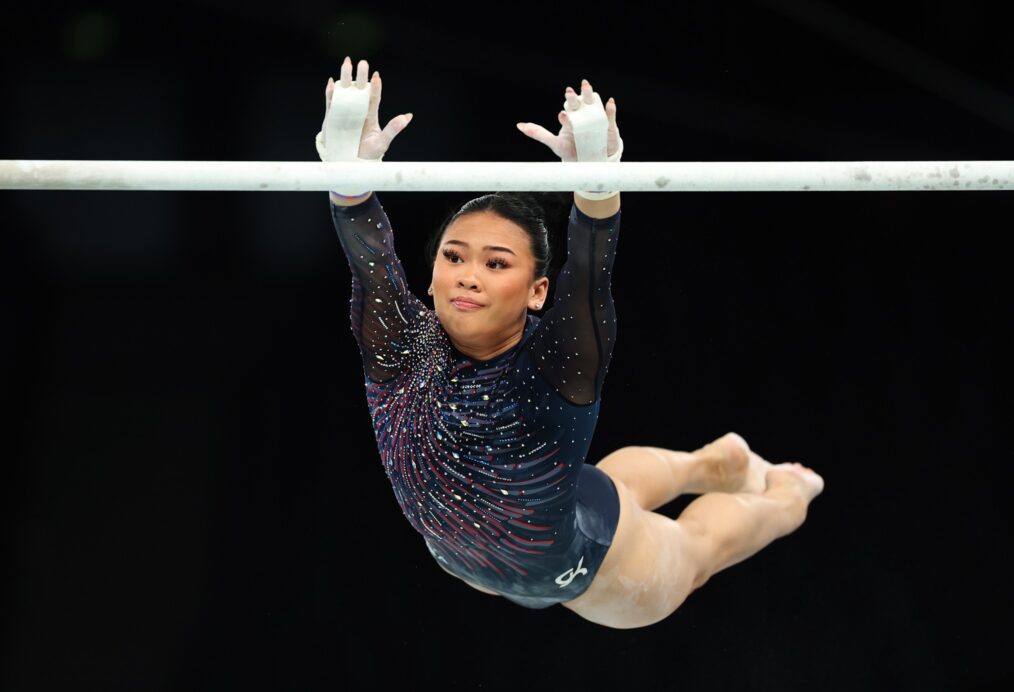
[351, 128]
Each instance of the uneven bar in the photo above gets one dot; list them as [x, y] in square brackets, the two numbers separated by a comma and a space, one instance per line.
[435, 176]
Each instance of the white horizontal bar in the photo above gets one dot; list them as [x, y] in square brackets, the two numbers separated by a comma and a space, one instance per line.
[426, 176]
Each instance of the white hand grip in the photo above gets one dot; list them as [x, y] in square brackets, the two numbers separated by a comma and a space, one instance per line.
[343, 126]
[590, 126]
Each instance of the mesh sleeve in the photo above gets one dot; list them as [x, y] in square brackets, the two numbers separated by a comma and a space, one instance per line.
[384, 313]
[574, 341]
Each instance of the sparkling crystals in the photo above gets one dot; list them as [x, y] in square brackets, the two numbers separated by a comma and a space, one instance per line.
[428, 458]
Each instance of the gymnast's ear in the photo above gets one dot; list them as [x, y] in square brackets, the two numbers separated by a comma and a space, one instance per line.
[538, 293]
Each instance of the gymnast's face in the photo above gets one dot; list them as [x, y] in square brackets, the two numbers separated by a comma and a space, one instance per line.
[483, 285]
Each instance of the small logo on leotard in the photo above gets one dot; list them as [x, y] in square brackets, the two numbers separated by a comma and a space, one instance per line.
[571, 574]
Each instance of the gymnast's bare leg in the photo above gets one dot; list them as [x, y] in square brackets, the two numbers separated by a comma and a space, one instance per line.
[656, 476]
[655, 562]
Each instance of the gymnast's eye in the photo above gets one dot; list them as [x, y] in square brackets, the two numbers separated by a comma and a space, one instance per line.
[493, 263]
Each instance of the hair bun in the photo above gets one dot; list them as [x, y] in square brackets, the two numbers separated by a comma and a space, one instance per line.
[532, 199]
[553, 207]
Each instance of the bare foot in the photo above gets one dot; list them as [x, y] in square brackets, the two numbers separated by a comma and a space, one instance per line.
[755, 474]
[720, 466]
[805, 480]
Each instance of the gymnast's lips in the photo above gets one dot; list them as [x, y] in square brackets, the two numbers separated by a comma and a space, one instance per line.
[465, 304]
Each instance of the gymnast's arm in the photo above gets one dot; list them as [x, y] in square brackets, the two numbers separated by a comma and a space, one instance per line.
[573, 344]
[382, 308]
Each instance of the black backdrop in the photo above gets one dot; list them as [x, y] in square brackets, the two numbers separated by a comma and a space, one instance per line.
[192, 496]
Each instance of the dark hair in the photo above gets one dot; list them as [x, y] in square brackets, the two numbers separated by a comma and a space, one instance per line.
[533, 212]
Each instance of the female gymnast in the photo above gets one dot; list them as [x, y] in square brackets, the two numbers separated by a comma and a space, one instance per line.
[483, 412]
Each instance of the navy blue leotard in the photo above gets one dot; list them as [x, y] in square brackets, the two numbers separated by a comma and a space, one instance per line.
[487, 458]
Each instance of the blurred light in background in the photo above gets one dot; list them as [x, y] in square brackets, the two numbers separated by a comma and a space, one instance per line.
[90, 36]
[356, 34]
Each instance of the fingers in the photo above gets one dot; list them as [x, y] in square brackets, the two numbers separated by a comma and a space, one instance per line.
[346, 73]
[395, 126]
[573, 103]
[538, 133]
[611, 112]
[363, 71]
[587, 96]
[373, 113]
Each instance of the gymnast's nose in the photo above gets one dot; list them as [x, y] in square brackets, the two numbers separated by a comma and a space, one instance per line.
[468, 281]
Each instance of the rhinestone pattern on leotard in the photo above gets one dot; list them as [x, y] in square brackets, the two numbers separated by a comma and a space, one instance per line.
[483, 455]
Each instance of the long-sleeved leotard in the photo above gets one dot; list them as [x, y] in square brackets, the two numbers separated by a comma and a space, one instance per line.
[485, 457]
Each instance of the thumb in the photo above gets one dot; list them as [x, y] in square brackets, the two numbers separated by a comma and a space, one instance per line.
[538, 133]
[396, 125]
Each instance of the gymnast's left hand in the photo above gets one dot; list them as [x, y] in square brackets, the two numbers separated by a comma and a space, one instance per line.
[562, 144]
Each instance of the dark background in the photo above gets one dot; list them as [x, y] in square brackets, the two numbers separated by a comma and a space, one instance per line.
[192, 497]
